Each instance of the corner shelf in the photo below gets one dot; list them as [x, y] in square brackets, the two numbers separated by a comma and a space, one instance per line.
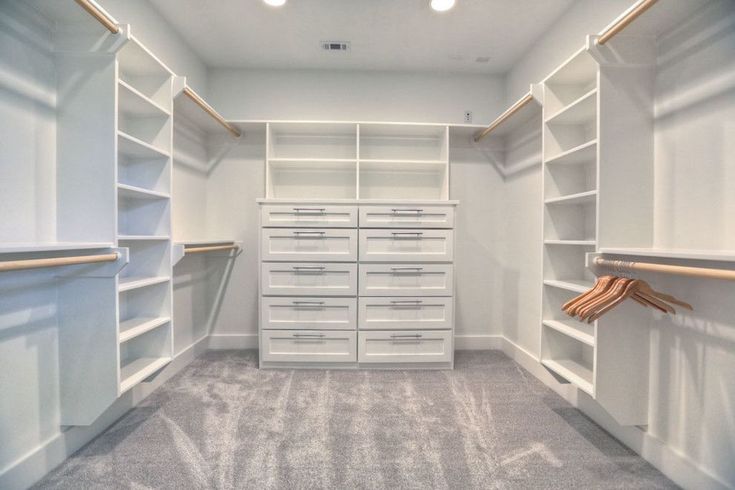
[135, 371]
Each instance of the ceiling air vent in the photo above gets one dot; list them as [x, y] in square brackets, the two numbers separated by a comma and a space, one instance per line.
[335, 45]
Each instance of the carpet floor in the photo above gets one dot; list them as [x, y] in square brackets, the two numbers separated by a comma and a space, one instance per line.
[224, 424]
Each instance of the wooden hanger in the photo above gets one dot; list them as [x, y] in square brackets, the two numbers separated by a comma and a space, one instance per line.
[630, 287]
[614, 292]
[602, 283]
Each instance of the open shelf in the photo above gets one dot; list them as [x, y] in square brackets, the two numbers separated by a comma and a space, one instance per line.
[126, 238]
[131, 147]
[582, 332]
[134, 102]
[148, 258]
[133, 192]
[575, 285]
[140, 69]
[584, 153]
[576, 222]
[130, 329]
[574, 372]
[575, 78]
[576, 243]
[569, 352]
[403, 180]
[312, 140]
[580, 111]
[682, 254]
[318, 178]
[578, 198]
[131, 283]
[143, 217]
[396, 142]
[137, 370]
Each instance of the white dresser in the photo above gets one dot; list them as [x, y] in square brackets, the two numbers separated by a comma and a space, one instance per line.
[356, 284]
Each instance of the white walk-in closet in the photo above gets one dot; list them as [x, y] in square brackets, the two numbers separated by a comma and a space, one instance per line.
[385, 244]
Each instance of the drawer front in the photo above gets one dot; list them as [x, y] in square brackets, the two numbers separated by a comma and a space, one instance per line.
[406, 280]
[316, 346]
[308, 279]
[309, 215]
[405, 313]
[406, 245]
[309, 244]
[308, 313]
[406, 217]
[405, 346]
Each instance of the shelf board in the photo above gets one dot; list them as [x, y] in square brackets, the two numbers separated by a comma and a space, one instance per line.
[130, 283]
[132, 147]
[579, 198]
[672, 253]
[573, 372]
[586, 152]
[313, 160]
[583, 333]
[580, 111]
[129, 329]
[196, 243]
[139, 369]
[578, 69]
[575, 285]
[403, 162]
[17, 248]
[128, 238]
[132, 101]
[131, 191]
[578, 243]
[136, 59]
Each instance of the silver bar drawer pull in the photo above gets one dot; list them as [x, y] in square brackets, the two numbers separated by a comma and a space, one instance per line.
[416, 234]
[417, 211]
[406, 336]
[309, 268]
[320, 233]
[309, 335]
[307, 303]
[310, 210]
[406, 269]
[407, 302]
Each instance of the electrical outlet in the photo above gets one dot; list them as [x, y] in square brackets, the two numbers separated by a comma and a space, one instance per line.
[468, 116]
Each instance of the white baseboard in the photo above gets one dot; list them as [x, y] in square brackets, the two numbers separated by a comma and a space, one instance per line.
[677, 467]
[33, 466]
[478, 342]
[233, 341]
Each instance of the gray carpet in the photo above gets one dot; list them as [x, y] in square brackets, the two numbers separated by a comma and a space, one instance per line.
[223, 424]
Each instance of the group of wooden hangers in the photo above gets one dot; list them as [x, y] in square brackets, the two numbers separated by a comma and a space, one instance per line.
[610, 291]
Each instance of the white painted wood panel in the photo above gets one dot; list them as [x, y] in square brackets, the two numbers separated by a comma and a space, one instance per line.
[308, 279]
[406, 245]
[309, 244]
[308, 313]
[402, 216]
[303, 215]
[405, 346]
[405, 313]
[406, 280]
[312, 346]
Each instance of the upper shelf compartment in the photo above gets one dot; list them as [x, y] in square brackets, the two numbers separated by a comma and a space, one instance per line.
[404, 142]
[569, 84]
[312, 140]
[141, 70]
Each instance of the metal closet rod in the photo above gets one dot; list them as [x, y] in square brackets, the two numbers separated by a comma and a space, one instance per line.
[17, 265]
[634, 13]
[701, 272]
[209, 110]
[100, 15]
[500, 119]
[211, 248]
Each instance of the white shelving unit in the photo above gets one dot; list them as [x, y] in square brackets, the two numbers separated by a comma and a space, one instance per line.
[351, 160]
[144, 110]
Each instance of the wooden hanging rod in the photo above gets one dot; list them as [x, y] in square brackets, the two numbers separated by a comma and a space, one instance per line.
[17, 265]
[727, 275]
[100, 15]
[209, 110]
[634, 13]
[210, 248]
[509, 112]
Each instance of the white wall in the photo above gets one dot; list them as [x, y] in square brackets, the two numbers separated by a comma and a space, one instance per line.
[692, 419]
[239, 180]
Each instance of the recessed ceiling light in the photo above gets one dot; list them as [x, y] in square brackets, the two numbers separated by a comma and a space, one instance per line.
[275, 3]
[442, 5]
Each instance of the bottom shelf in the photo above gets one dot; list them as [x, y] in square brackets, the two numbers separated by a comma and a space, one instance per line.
[572, 371]
[139, 369]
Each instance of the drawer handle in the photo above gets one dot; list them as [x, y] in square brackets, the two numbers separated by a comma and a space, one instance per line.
[301, 303]
[308, 268]
[406, 269]
[310, 210]
[406, 336]
[407, 302]
[321, 233]
[417, 234]
[417, 211]
[309, 335]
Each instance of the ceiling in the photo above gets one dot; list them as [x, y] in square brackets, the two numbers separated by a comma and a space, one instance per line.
[404, 35]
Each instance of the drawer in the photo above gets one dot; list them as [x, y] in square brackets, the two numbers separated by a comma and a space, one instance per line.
[406, 280]
[309, 215]
[308, 313]
[407, 217]
[405, 313]
[405, 346]
[308, 244]
[315, 346]
[308, 279]
[406, 245]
